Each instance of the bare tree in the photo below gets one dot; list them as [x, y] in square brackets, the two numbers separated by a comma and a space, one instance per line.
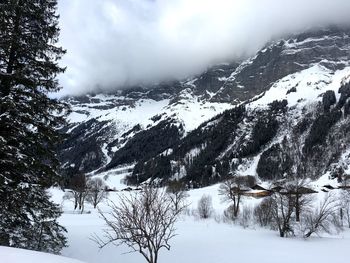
[282, 210]
[232, 189]
[143, 221]
[205, 207]
[292, 147]
[78, 191]
[299, 189]
[96, 191]
[177, 194]
[323, 218]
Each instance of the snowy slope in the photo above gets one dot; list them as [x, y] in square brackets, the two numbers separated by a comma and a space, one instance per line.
[15, 255]
[116, 119]
[188, 109]
[309, 85]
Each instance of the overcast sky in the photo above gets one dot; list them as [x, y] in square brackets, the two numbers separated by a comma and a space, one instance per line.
[114, 43]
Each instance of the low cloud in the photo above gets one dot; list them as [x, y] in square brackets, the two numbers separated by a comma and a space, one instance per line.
[116, 43]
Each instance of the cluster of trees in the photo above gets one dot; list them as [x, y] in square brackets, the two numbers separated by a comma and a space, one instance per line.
[279, 212]
[147, 144]
[82, 189]
[29, 120]
[158, 167]
[320, 129]
[82, 147]
[263, 131]
[290, 208]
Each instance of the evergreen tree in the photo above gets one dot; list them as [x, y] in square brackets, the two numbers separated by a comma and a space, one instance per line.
[28, 124]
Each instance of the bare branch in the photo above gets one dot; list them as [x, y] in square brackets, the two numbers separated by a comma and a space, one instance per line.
[143, 221]
[323, 220]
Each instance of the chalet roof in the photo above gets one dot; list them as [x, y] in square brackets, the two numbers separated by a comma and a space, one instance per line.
[301, 190]
[306, 190]
[258, 187]
[328, 186]
[277, 188]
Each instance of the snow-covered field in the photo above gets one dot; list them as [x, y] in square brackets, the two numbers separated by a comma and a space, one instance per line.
[205, 241]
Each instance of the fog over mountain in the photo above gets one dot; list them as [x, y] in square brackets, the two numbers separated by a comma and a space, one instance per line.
[116, 43]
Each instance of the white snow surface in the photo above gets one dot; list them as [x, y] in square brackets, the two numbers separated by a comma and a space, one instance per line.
[188, 110]
[309, 84]
[15, 255]
[192, 112]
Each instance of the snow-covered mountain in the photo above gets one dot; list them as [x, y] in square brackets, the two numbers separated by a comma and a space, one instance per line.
[242, 118]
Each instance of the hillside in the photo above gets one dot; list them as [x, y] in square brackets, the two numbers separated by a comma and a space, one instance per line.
[237, 118]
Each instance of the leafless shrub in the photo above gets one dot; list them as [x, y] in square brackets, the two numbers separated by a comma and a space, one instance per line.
[187, 211]
[177, 194]
[218, 218]
[143, 221]
[246, 217]
[263, 212]
[205, 207]
[323, 219]
[229, 214]
[96, 188]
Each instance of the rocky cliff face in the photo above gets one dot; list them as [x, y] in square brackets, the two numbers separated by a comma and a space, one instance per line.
[286, 106]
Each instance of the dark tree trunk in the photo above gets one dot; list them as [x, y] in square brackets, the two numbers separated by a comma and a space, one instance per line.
[297, 208]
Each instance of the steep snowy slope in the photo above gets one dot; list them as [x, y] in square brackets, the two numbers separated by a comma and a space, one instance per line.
[304, 114]
[231, 119]
[102, 124]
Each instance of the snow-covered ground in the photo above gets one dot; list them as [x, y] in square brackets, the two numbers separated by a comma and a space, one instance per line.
[15, 255]
[207, 241]
[204, 241]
